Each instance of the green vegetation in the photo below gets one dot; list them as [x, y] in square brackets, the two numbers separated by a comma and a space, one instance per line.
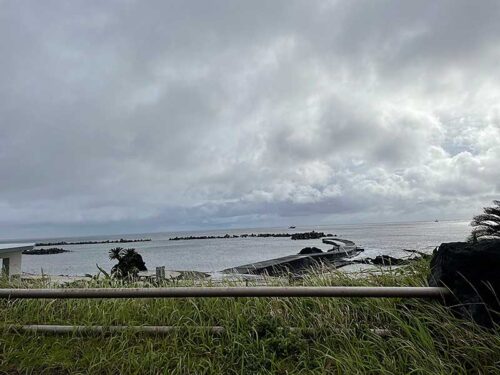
[129, 262]
[263, 335]
[487, 224]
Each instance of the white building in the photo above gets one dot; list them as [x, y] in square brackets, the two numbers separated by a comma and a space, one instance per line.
[11, 257]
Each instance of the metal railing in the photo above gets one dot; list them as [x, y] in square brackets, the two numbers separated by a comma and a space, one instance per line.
[183, 292]
[208, 292]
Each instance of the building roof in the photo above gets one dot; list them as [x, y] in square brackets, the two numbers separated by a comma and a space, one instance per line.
[14, 247]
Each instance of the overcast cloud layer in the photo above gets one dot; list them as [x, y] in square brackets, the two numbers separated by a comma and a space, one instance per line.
[119, 116]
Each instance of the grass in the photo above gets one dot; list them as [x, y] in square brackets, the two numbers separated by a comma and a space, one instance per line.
[263, 335]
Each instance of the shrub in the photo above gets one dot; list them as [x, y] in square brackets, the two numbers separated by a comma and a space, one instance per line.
[129, 264]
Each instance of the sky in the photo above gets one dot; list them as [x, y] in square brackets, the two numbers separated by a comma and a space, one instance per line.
[133, 116]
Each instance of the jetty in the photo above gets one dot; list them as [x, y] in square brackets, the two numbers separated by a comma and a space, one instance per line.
[336, 257]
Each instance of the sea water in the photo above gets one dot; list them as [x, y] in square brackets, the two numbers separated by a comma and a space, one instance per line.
[212, 255]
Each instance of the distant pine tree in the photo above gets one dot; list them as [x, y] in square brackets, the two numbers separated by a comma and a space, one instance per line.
[486, 224]
[129, 264]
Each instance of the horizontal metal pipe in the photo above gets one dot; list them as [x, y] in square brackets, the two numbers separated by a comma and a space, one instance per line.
[377, 331]
[152, 330]
[156, 330]
[179, 292]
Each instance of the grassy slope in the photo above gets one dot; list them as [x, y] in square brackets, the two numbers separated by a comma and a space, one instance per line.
[333, 335]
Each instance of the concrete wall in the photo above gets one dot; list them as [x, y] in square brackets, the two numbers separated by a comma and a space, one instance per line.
[11, 263]
[11, 257]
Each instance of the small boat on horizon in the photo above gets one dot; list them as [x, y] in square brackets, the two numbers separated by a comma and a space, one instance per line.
[292, 227]
[436, 221]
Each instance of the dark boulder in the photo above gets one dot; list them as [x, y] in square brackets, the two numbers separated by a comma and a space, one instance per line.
[310, 250]
[383, 260]
[472, 272]
[386, 260]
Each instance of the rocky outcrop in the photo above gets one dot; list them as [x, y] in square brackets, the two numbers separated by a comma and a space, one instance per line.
[386, 260]
[310, 250]
[471, 272]
[52, 250]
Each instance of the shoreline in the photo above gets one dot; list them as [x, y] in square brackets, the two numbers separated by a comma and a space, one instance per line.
[358, 270]
[216, 255]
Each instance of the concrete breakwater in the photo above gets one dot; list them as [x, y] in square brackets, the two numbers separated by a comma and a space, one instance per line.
[50, 251]
[294, 236]
[338, 256]
[227, 236]
[121, 240]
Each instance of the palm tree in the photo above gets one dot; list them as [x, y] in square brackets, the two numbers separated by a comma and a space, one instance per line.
[488, 223]
[115, 253]
[129, 263]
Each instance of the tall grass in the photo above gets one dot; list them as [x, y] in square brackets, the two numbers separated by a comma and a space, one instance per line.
[263, 335]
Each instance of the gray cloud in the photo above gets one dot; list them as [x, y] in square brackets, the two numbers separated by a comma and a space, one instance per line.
[126, 116]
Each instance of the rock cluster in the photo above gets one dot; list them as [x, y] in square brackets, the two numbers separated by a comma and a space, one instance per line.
[295, 236]
[384, 260]
[121, 240]
[202, 237]
[226, 236]
[308, 235]
[471, 272]
[310, 250]
[52, 250]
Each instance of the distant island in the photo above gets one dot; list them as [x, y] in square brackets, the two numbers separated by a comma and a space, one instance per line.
[62, 243]
[295, 236]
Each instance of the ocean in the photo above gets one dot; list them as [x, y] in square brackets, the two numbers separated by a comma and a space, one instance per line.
[214, 255]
